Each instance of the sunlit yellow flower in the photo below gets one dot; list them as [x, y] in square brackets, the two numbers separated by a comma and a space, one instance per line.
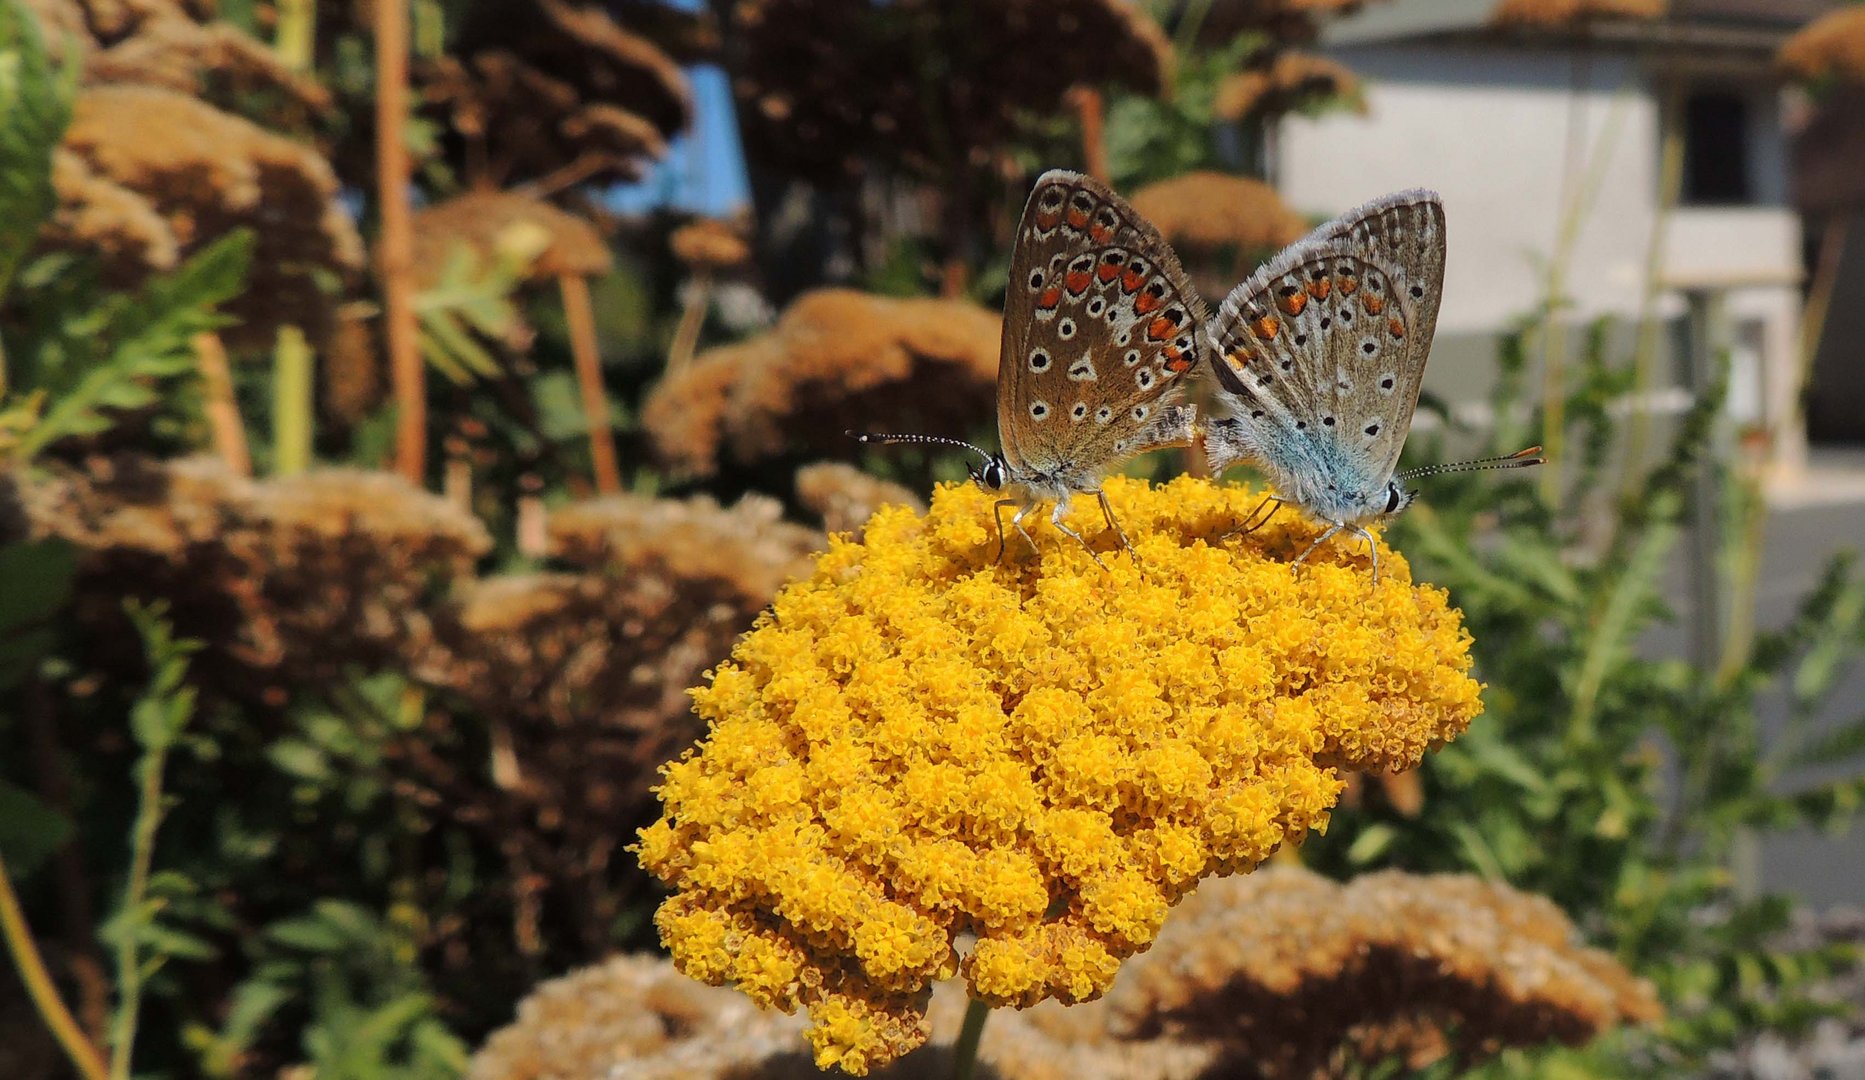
[916, 743]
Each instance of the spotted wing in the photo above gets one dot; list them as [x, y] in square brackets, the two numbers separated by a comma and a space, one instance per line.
[1322, 351]
[1100, 329]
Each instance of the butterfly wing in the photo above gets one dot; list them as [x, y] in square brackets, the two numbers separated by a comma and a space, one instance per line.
[1100, 329]
[1322, 351]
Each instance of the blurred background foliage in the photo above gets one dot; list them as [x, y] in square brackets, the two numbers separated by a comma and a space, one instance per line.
[314, 769]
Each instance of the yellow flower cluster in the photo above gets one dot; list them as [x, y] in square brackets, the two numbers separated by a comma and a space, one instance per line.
[916, 743]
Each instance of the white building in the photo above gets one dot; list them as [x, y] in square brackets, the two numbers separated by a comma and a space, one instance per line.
[1508, 124]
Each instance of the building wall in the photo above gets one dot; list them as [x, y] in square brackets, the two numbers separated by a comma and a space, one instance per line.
[1489, 128]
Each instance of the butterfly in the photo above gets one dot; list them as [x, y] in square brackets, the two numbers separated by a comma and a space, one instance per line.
[1101, 329]
[1319, 356]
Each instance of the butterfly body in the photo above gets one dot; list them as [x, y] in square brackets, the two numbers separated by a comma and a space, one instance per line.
[1101, 328]
[1320, 354]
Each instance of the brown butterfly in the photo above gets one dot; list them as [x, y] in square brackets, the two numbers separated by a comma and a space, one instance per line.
[1101, 328]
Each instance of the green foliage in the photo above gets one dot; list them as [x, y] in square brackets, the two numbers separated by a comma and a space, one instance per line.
[1152, 138]
[36, 102]
[96, 354]
[1562, 786]
[472, 298]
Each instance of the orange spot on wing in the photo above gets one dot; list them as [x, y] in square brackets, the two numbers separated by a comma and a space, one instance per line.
[1177, 363]
[1397, 327]
[1348, 285]
[1050, 298]
[1048, 219]
[1077, 219]
[1319, 288]
[1293, 304]
[1374, 305]
[1100, 233]
[1146, 303]
[1265, 327]
[1239, 358]
[1107, 272]
[1161, 328]
[1078, 281]
[1132, 280]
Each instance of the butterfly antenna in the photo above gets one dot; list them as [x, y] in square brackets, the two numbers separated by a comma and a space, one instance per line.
[873, 438]
[1521, 459]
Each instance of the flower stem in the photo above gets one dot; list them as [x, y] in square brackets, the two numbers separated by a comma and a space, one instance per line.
[129, 963]
[38, 982]
[965, 1051]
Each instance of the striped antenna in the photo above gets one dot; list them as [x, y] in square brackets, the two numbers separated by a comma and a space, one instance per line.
[871, 438]
[1521, 459]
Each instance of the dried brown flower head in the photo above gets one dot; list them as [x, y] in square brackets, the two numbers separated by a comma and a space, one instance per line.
[685, 415]
[709, 244]
[491, 222]
[124, 230]
[639, 1011]
[508, 121]
[1213, 210]
[1831, 46]
[581, 677]
[836, 359]
[174, 45]
[846, 497]
[1283, 83]
[207, 173]
[1559, 13]
[286, 582]
[1286, 21]
[825, 83]
[1279, 973]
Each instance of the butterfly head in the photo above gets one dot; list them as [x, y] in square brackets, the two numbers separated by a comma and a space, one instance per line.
[992, 474]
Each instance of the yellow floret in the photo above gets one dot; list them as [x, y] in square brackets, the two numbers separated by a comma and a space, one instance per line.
[917, 743]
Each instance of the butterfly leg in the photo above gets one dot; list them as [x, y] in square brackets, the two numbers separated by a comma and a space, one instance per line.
[1107, 511]
[1319, 540]
[1055, 518]
[997, 513]
[1250, 523]
[1023, 511]
[1372, 549]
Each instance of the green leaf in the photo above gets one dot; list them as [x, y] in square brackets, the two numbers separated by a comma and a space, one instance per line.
[30, 831]
[1841, 743]
[36, 105]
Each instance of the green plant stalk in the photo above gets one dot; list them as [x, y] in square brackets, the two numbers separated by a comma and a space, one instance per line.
[142, 859]
[292, 402]
[296, 38]
[1645, 351]
[1554, 338]
[965, 1050]
[39, 986]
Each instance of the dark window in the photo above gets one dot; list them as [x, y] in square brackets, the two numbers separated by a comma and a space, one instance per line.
[1716, 148]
